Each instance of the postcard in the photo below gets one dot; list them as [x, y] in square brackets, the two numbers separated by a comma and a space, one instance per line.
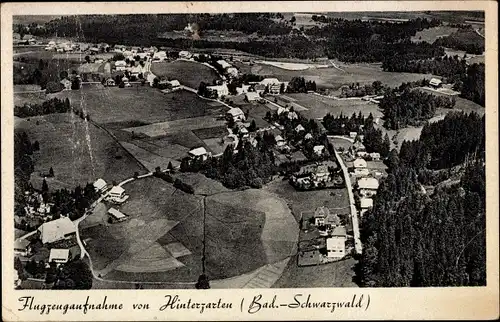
[249, 161]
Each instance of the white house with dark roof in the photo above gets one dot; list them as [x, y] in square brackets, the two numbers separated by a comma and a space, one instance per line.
[335, 244]
[198, 153]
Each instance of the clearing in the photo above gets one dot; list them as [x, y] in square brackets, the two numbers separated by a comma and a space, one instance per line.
[188, 73]
[78, 151]
[318, 106]
[430, 35]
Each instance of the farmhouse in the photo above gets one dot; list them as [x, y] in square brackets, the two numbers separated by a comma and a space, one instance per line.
[335, 245]
[299, 128]
[368, 187]
[59, 229]
[120, 65]
[362, 154]
[100, 185]
[198, 154]
[361, 172]
[273, 85]
[435, 83]
[359, 163]
[365, 204]
[375, 156]
[235, 114]
[117, 195]
[279, 140]
[222, 63]
[116, 215]
[185, 54]
[59, 256]
[66, 83]
[323, 217]
[308, 136]
[321, 174]
[110, 82]
[318, 149]
[232, 71]
[160, 55]
[221, 90]
[252, 96]
[22, 247]
[174, 84]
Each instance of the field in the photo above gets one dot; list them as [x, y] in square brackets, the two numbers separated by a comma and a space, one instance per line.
[187, 73]
[28, 98]
[78, 151]
[141, 103]
[319, 106]
[300, 201]
[346, 74]
[430, 35]
[163, 238]
[338, 274]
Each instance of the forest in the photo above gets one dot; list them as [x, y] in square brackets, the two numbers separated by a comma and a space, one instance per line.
[412, 238]
[465, 39]
[411, 107]
[452, 68]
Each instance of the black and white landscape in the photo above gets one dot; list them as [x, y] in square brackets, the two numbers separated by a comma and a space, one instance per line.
[249, 150]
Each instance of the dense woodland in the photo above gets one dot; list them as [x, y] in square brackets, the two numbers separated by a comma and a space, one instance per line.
[411, 107]
[412, 238]
[472, 87]
[465, 39]
[453, 68]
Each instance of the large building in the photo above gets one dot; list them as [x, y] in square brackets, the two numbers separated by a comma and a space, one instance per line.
[59, 229]
[335, 244]
[221, 90]
[117, 195]
[368, 187]
[198, 154]
[235, 114]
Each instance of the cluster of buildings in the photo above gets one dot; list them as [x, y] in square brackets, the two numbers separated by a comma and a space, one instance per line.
[329, 246]
[114, 195]
[316, 176]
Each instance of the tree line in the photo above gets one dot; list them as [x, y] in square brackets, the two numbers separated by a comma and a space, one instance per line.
[50, 106]
[412, 238]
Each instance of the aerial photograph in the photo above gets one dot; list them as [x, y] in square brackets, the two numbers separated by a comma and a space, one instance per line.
[249, 150]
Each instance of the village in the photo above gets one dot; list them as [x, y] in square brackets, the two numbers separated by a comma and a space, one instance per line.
[175, 142]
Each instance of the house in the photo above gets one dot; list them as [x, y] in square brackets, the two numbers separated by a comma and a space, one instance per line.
[279, 140]
[116, 215]
[117, 195]
[174, 84]
[120, 65]
[292, 115]
[299, 128]
[185, 54]
[94, 50]
[368, 186]
[222, 63]
[252, 96]
[59, 229]
[100, 185]
[198, 153]
[308, 136]
[335, 244]
[375, 156]
[361, 172]
[320, 215]
[66, 83]
[273, 85]
[259, 88]
[321, 174]
[110, 82]
[353, 135]
[59, 256]
[160, 55]
[232, 72]
[365, 204]
[359, 163]
[22, 247]
[362, 154]
[358, 146]
[318, 149]
[235, 114]
[435, 83]
[221, 90]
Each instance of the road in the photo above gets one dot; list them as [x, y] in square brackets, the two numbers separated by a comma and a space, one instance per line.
[354, 213]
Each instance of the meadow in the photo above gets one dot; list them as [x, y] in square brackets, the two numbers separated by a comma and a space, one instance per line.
[138, 104]
[188, 73]
[78, 151]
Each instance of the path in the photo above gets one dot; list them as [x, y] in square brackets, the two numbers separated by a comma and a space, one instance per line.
[477, 32]
[340, 137]
[354, 214]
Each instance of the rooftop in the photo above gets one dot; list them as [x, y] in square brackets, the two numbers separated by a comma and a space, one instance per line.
[198, 151]
[235, 111]
[366, 203]
[57, 253]
[368, 183]
[116, 213]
